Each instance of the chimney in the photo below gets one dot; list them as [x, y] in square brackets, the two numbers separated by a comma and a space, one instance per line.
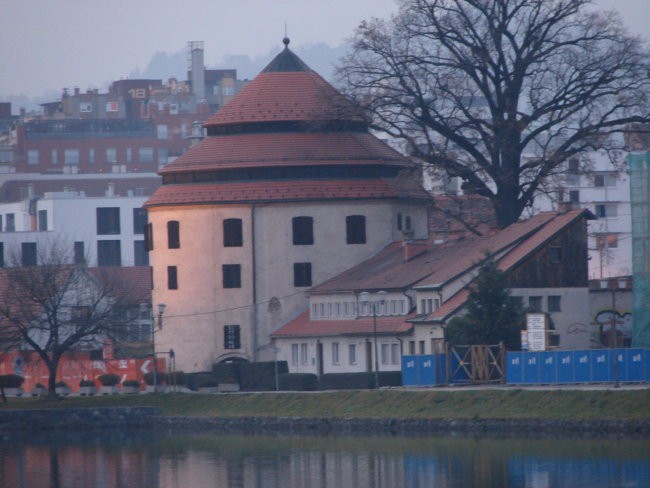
[412, 249]
[111, 190]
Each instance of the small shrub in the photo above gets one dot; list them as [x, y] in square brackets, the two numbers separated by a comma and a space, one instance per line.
[39, 385]
[227, 372]
[61, 384]
[11, 381]
[207, 382]
[260, 376]
[109, 379]
[178, 378]
[131, 383]
[86, 383]
[162, 378]
[298, 381]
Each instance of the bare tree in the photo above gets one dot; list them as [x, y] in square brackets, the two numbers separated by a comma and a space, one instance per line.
[500, 92]
[56, 307]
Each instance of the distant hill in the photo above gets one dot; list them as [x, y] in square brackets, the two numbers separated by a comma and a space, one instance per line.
[320, 57]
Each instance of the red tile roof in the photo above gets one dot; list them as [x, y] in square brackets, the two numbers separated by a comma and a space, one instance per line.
[301, 326]
[285, 149]
[444, 262]
[286, 96]
[270, 191]
[15, 190]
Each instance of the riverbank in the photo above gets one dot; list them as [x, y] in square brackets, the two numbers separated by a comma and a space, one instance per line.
[606, 410]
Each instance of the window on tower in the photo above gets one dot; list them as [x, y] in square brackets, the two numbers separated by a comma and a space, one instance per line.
[232, 233]
[303, 231]
[355, 226]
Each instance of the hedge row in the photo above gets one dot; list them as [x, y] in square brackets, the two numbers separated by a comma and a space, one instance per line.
[261, 377]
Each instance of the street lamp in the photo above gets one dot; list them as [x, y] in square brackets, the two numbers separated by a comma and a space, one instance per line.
[613, 337]
[364, 297]
[161, 310]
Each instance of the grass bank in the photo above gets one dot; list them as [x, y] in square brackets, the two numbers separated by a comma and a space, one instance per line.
[503, 403]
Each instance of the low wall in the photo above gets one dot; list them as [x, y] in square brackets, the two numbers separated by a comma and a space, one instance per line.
[77, 418]
[518, 427]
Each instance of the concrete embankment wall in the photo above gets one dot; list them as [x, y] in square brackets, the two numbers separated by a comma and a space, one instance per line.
[77, 418]
[149, 417]
[250, 425]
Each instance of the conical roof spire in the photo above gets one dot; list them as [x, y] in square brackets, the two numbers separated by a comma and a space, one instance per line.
[286, 61]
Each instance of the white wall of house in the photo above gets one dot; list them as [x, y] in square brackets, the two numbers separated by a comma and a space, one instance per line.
[569, 310]
[71, 217]
[344, 354]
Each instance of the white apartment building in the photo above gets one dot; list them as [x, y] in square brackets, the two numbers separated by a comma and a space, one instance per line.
[99, 230]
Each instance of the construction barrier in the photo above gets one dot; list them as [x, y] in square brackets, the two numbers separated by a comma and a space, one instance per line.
[587, 366]
[424, 370]
[74, 367]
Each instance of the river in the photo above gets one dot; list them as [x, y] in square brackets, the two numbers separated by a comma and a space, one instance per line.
[160, 459]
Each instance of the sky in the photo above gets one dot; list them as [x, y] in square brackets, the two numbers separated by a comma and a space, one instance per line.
[46, 45]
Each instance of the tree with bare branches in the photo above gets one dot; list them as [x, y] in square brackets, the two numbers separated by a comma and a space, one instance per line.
[56, 307]
[500, 93]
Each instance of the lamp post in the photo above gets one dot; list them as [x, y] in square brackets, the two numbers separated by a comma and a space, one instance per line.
[613, 337]
[161, 310]
[364, 297]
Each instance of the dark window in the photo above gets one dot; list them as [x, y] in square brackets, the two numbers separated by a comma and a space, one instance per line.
[108, 220]
[42, 220]
[399, 221]
[231, 337]
[109, 253]
[2, 254]
[140, 220]
[355, 226]
[173, 234]
[554, 303]
[148, 237]
[79, 252]
[11, 223]
[172, 278]
[303, 231]
[232, 233]
[140, 256]
[301, 274]
[574, 166]
[231, 275]
[535, 304]
[574, 196]
[555, 255]
[28, 254]
[407, 223]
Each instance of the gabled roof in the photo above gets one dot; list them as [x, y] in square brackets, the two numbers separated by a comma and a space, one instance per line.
[442, 263]
[434, 265]
[301, 326]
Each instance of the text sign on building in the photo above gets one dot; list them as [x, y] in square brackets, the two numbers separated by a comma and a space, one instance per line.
[536, 328]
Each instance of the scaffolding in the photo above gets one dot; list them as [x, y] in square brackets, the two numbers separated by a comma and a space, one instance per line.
[639, 164]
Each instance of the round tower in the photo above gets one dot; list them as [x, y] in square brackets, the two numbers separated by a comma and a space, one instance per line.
[288, 189]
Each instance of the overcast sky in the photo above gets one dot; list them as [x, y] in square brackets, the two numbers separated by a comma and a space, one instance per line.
[46, 45]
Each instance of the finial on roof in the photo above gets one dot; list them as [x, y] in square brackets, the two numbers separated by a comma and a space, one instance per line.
[285, 39]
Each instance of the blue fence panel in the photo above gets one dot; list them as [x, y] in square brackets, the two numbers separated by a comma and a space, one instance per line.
[634, 365]
[602, 368]
[514, 367]
[531, 367]
[547, 367]
[582, 366]
[565, 366]
[426, 370]
[409, 371]
[647, 364]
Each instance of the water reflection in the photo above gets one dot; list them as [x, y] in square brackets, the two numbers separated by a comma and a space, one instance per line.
[141, 459]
